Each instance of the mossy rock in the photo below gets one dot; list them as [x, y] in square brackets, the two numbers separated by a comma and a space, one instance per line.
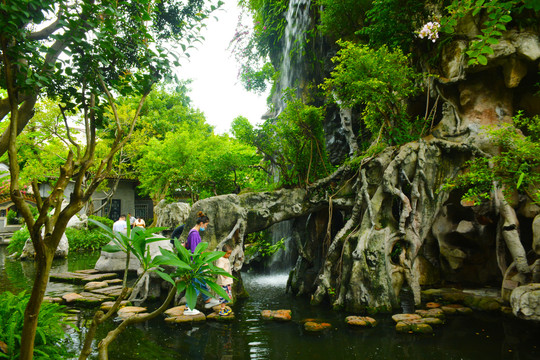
[278, 315]
[432, 321]
[433, 305]
[361, 321]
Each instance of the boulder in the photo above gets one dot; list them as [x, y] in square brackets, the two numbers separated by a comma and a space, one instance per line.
[171, 215]
[61, 252]
[525, 301]
[78, 222]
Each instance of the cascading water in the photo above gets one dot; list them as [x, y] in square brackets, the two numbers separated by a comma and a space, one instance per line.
[294, 40]
[291, 74]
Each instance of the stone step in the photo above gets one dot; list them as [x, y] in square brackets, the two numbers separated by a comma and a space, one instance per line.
[81, 278]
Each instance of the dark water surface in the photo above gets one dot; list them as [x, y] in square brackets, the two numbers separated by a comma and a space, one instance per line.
[481, 336]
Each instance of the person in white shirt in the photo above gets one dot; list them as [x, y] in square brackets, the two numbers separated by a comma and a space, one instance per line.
[224, 281]
[139, 222]
[120, 225]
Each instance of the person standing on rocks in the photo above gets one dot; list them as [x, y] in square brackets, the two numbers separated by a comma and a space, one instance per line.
[225, 281]
[194, 239]
[120, 225]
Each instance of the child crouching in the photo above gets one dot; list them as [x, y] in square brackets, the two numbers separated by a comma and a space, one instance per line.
[224, 281]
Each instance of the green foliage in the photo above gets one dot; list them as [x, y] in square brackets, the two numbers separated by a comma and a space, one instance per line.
[105, 221]
[341, 19]
[18, 239]
[392, 23]
[191, 269]
[377, 80]
[497, 15]
[11, 217]
[86, 240]
[515, 168]
[253, 48]
[258, 243]
[50, 333]
[294, 142]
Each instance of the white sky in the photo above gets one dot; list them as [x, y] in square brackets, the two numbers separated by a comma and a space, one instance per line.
[215, 89]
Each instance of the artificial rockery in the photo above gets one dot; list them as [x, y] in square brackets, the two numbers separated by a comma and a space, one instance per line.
[391, 219]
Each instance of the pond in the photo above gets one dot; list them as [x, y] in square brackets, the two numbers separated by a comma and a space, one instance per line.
[480, 336]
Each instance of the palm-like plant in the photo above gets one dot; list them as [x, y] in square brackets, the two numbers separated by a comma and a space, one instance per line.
[192, 270]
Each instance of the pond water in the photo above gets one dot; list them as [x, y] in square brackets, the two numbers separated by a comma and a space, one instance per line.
[481, 336]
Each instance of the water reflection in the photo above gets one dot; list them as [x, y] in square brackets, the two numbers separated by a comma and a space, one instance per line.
[482, 336]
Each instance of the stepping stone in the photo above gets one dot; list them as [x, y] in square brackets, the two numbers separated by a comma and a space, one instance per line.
[81, 278]
[433, 305]
[416, 326]
[278, 315]
[68, 298]
[456, 309]
[363, 321]
[431, 313]
[114, 281]
[176, 315]
[87, 271]
[405, 317]
[175, 311]
[94, 285]
[89, 299]
[129, 311]
[112, 291]
[186, 318]
[107, 305]
[432, 321]
[217, 317]
[312, 326]
[55, 300]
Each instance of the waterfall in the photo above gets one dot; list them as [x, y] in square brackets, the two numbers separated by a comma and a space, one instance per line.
[282, 260]
[294, 40]
[291, 73]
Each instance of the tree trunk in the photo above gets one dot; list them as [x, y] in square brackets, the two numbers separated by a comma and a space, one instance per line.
[43, 268]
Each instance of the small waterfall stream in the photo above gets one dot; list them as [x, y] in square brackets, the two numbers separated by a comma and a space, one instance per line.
[294, 40]
[291, 71]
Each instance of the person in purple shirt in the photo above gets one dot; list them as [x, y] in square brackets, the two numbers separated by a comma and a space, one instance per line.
[194, 239]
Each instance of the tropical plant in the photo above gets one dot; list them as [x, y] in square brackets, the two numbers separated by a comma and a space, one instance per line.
[192, 270]
[50, 329]
[188, 269]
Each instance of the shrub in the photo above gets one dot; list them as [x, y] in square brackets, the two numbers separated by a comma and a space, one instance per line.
[16, 244]
[12, 217]
[86, 240]
[106, 221]
[48, 343]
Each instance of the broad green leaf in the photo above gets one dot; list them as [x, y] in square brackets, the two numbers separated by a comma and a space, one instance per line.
[482, 59]
[191, 296]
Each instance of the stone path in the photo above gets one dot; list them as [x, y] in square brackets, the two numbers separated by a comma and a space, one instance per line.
[98, 287]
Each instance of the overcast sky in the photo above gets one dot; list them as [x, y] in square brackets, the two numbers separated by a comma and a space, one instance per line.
[215, 89]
